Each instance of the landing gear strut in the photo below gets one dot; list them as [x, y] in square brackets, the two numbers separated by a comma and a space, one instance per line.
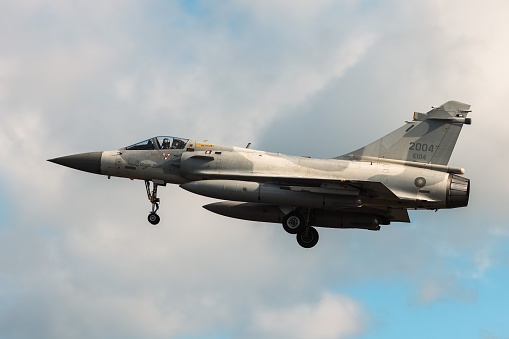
[153, 218]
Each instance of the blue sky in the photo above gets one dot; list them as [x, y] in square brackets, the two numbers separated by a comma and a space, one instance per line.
[395, 315]
[321, 78]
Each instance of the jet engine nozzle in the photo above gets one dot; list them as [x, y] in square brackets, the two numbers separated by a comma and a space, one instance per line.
[458, 191]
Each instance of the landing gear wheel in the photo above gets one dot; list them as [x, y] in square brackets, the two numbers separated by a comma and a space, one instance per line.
[153, 219]
[308, 238]
[294, 223]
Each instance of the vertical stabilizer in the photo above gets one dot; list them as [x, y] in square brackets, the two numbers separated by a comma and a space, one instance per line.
[429, 138]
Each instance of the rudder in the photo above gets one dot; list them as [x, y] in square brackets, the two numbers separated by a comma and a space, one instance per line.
[429, 138]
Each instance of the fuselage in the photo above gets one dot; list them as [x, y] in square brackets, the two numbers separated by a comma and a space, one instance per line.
[414, 187]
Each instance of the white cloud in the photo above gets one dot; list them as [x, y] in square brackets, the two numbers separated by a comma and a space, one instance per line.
[76, 78]
[442, 288]
[284, 12]
[332, 317]
[483, 262]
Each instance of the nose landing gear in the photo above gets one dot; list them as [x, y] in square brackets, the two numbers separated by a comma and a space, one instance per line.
[153, 218]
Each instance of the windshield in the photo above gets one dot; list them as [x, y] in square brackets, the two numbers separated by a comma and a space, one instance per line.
[160, 142]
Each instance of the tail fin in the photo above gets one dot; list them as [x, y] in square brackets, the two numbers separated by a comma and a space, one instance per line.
[429, 138]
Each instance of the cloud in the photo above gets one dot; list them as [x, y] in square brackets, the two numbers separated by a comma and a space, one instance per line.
[321, 79]
[442, 289]
[332, 317]
[297, 13]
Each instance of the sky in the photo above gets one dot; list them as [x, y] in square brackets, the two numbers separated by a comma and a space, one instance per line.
[78, 258]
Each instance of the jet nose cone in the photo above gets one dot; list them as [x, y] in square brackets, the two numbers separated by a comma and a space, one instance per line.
[88, 162]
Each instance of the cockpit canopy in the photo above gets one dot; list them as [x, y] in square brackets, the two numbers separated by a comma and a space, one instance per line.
[160, 143]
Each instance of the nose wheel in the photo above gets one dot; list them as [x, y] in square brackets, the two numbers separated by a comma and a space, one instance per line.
[153, 218]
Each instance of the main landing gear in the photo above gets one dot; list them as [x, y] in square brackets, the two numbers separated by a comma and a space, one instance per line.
[153, 218]
[295, 223]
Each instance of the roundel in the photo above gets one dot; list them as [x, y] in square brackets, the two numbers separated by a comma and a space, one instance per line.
[420, 182]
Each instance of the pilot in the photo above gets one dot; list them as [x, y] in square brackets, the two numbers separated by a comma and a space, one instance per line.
[177, 144]
[166, 143]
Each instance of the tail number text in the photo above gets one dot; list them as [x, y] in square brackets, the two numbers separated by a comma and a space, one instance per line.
[417, 146]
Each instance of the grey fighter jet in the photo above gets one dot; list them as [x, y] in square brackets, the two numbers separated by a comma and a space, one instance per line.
[372, 186]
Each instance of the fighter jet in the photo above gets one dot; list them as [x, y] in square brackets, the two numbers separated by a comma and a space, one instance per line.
[372, 186]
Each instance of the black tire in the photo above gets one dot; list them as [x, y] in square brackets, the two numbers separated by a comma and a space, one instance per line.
[294, 223]
[308, 239]
[153, 219]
